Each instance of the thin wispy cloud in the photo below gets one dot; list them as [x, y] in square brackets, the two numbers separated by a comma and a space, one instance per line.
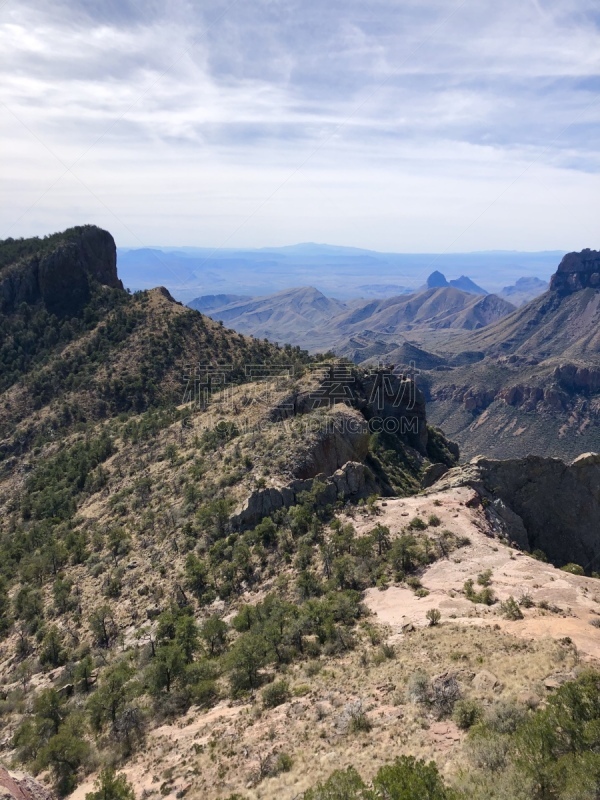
[407, 120]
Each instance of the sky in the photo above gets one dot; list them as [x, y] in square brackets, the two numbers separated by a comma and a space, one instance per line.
[395, 125]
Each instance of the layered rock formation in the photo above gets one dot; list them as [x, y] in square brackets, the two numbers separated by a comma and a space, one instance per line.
[61, 276]
[382, 397]
[352, 481]
[336, 413]
[541, 503]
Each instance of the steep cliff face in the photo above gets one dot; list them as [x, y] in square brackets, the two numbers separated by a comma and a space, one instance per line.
[61, 273]
[389, 402]
[577, 271]
[544, 503]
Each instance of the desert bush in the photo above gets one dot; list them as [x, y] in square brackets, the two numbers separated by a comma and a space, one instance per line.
[418, 687]
[359, 722]
[275, 694]
[526, 601]
[466, 713]
[574, 569]
[485, 596]
[341, 785]
[111, 786]
[434, 616]
[409, 779]
[510, 609]
[444, 694]
[485, 578]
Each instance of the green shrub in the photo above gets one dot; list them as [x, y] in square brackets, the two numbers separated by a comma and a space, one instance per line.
[275, 694]
[434, 616]
[409, 779]
[574, 569]
[485, 578]
[510, 609]
[110, 786]
[341, 785]
[466, 713]
[417, 524]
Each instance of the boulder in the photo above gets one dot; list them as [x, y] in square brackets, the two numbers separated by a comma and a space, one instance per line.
[485, 681]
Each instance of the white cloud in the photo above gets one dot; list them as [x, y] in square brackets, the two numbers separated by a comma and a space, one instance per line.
[388, 125]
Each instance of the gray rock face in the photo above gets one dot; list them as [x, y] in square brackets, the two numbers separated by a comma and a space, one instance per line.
[577, 271]
[61, 279]
[342, 435]
[541, 503]
[353, 480]
[382, 397]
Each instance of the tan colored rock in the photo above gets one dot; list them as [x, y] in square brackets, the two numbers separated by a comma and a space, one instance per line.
[485, 681]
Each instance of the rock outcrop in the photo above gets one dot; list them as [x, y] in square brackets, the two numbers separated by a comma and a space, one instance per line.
[352, 481]
[338, 436]
[61, 277]
[386, 401]
[577, 271]
[15, 786]
[540, 503]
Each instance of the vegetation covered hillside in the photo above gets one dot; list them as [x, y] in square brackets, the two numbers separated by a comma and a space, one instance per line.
[195, 529]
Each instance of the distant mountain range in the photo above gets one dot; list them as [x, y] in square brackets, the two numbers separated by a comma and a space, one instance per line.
[437, 280]
[343, 272]
[524, 290]
[500, 380]
[306, 316]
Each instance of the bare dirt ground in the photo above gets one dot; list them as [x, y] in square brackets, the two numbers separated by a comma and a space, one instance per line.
[574, 600]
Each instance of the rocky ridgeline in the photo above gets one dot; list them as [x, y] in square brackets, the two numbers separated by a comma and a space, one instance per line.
[344, 407]
[539, 503]
[577, 271]
[62, 277]
[378, 394]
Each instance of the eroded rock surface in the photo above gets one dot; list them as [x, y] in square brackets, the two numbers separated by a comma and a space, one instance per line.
[16, 786]
[543, 503]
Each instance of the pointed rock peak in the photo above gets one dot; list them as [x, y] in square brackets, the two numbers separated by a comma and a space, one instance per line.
[436, 280]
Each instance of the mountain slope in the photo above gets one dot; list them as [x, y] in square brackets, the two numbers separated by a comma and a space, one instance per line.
[535, 388]
[104, 351]
[523, 290]
[290, 316]
[444, 307]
